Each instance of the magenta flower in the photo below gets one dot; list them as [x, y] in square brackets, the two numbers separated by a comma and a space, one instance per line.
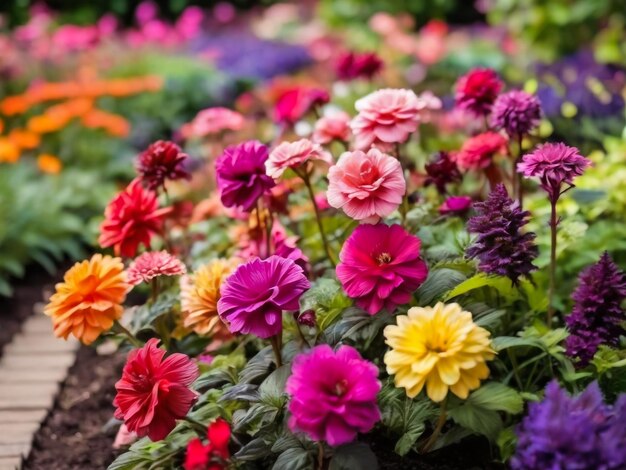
[333, 394]
[366, 186]
[381, 266]
[294, 155]
[152, 264]
[296, 102]
[241, 174]
[477, 90]
[517, 112]
[554, 165]
[255, 295]
[455, 205]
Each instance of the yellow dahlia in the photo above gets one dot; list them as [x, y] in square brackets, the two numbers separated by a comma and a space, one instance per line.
[440, 347]
[89, 299]
[199, 295]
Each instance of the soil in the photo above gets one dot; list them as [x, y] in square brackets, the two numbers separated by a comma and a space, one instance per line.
[75, 435]
[27, 292]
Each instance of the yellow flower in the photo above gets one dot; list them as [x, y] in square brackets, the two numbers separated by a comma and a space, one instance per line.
[89, 299]
[199, 295]
[440, 347]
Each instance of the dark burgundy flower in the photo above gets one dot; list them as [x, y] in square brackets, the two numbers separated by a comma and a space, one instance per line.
[477, 90]
[501, 248]
[441, 171]
[162, 160]
[597, 315]
[351, 65]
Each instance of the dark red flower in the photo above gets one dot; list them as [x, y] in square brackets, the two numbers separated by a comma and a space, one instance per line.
[477, 90]
[213, 455]
[296, 102]
[154, 391]
[131, 219]
[351, 65]
[162, 160]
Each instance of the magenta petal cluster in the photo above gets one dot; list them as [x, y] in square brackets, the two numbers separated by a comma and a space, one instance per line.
[241, 174]
[554, 164]
[381, 266]
[254, 296]
[333, 394]
[293, 155]
[387, 116]
[366, 186]
[153, 264]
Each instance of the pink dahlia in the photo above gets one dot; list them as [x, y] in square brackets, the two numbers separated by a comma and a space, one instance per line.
[333, 127]
[131, 219]
[333, 394]
[477, 90]
[153, 264]
[154, 391]
[380, 266]
[241, 174]
[387, 116]
[294, 155]
[554, 165]
[162, 160]
[212, 121]
[478, 151]
[255, 295]
[366, 186]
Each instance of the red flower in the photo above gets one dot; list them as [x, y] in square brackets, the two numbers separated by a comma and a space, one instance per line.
[477, 90]
[131, 218]
[351, 65]
[154, 391]
[477, 152]
[296, 102]
[160, 161]
[213, 455]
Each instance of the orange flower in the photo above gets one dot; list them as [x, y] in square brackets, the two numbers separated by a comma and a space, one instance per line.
[26, 140]
[46, 123]
[12, 105]
[89, 300]
[49, 163]
[199, 295]
[112, 123]
[9, 152]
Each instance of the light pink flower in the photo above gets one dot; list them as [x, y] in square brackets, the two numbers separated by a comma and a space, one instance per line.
[153, 264]
[294, 155]
[387, 116]
[333, 127]
[212, 121]
[366, 186]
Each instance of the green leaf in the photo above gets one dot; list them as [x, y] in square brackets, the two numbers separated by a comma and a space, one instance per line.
[507, 441]
[254, 450]
[146, 314]
[272, 390]
[293, 459]
[439, 282]
[497, 397]
[479, 420]
[327, 299]
[502, 284]
[354, 456]
[501, 343]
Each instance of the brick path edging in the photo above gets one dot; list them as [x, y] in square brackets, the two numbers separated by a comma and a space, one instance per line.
[31, 371]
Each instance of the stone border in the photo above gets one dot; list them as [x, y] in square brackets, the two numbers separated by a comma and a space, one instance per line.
[32, 368]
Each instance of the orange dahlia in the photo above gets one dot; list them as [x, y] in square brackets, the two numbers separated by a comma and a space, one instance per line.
[89, 300]
[199, 295]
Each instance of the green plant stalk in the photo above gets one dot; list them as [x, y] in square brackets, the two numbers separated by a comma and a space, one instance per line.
[120, 329]
[318, 217]
[513, 359]
[320, 456]
[275, 342]
[443, 415]
[552, 273]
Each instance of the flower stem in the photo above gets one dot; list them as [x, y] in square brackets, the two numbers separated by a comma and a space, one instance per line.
[551, 287]
[438, 427]
[318, 217]
[197, 426]
[119, 328]
[275, 341]
[517, 177]
[320, 456]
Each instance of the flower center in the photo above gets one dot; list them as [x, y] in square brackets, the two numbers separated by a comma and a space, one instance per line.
[383, 258]
[368, 173]
[341, 387]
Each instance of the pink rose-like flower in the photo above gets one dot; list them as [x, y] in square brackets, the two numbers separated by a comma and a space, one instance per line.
[333, 394]
[387, 116]
[381, 266]
[212, 121]
[333, 127]
[294, 155]
[455, 205]
[477, 152]
[254, 296]
[153, 264]
[366, 186]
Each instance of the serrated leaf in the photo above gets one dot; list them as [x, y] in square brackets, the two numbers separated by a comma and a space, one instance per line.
[503, 285]
[354, 456]
[479, 420]
[497, 397]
